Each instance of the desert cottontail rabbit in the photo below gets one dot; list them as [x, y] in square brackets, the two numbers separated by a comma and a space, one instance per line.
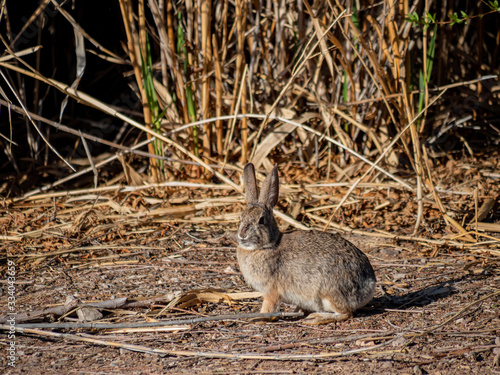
[317, 271]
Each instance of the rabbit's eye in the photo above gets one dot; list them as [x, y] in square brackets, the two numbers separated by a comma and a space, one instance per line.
[262, 220]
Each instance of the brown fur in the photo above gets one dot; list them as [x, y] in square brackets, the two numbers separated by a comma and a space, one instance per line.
[317, 271]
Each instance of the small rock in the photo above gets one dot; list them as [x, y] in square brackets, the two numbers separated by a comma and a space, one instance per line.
[88, 314]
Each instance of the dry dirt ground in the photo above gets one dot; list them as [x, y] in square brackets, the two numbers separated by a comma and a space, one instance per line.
[436, 315]
[436, 308]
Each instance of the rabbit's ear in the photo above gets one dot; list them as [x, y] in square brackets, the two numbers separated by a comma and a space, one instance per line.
[270, 189]
[251, 192]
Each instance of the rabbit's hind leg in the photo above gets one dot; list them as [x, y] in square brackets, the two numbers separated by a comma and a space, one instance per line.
[333, 313]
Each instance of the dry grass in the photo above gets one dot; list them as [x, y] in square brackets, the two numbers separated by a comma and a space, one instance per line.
[314, 85]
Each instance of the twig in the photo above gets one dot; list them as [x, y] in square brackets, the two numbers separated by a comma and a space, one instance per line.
[159, 324]
[184, 353]
[64, 309]
[38, 314]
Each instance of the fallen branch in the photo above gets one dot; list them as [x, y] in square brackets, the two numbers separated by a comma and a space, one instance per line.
[40, 314]
[64, 309]
[158, 324]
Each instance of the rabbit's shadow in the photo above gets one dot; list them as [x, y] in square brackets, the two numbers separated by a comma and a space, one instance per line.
[416, 298]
